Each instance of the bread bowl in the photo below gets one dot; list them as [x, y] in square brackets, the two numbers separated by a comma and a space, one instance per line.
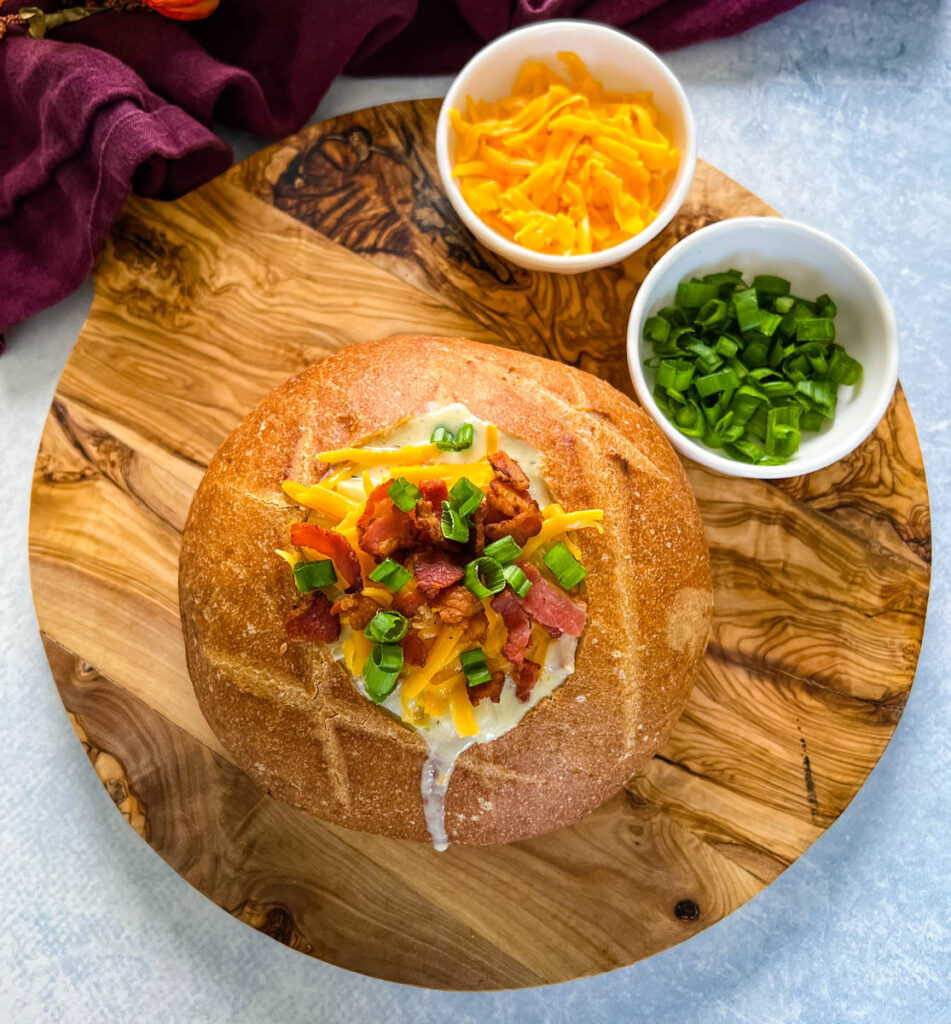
[300, 722]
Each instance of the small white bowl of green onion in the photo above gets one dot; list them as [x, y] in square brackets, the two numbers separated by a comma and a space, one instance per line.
[763, 348]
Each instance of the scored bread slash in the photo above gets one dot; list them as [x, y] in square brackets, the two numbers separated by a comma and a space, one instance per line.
[439, 584]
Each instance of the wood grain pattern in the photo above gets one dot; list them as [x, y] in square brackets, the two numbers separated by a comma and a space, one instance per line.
[341, 234]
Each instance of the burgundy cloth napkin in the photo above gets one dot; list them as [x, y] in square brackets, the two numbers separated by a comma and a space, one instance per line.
[121, 102]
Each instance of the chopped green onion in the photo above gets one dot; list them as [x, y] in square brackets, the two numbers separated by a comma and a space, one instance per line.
[466, 496]
[768, 322]
[825, 307]
[312, 575]
[725, 281]
[818, 329]
[712, 384]
[564, 566]
[380, 671]
[484, 577]
[516, 579]
[444, 439]
[707, 359]
[843, 369]
[454, 525]
[782, 430]
[689, 420]
[391, 574]
[747, 368]
[710, 313]
[747, 309]
[726, 346]
[504, 550]
[387, 627]
[766, 284]
[656, 328]
[674, 373]
[693, 294]
[474, 666]
[404, 494]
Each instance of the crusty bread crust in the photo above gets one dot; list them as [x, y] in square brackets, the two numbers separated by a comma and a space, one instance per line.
[290, 715]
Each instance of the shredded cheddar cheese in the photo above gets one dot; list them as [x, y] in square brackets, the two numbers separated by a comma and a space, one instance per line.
[345, 471]
[382, 456]
[356, 650]
[563, 166]
[461, 710]
[444, 650]
[491, 439]
[557, 524]
[291, 557]
[320, 498]
[379, 594]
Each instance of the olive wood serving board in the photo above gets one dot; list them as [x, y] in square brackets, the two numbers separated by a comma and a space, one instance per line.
[342, 234]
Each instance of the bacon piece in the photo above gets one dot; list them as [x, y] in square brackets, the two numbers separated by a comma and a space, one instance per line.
[316, 623]
[526, 676]
[378, 503]
[435, 571]
[332, 544]
[408, 601]
[520, 528]
[504, 501]
[435, 492]
[492, 689]
[550, 607]
[518, 624]
[389, 533]
[357, 609]
[456, 604]
[414, 650]
[429, 526]
[510, 512]
[477, 534]
[508, 470]
[475, 630]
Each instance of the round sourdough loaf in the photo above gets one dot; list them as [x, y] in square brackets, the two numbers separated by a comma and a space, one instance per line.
[290, 715]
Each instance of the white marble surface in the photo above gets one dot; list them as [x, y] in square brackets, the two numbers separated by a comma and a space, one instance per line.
[838, 114]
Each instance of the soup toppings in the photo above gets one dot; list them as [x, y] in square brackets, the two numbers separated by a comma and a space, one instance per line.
[563, 166]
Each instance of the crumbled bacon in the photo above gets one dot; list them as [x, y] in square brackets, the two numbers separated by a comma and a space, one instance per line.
[520, 528]
[316, 623]
[407, 602]
[477, 534]
[475, 630]
[332, 544]
[510, 511]
[390, 532]
[435, 571]
[357, 609]
[550, 607]
[526, 676]
[517, 623]
[492, 689]
[435, 492]
[456, 604]
[428, 520]
[508, 470]
[378, 503]
[414, 650]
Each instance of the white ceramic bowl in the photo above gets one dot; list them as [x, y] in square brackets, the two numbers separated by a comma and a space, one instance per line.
[815, 263]
[613, 58]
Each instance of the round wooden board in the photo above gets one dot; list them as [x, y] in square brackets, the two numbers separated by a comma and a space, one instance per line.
[342, 234]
